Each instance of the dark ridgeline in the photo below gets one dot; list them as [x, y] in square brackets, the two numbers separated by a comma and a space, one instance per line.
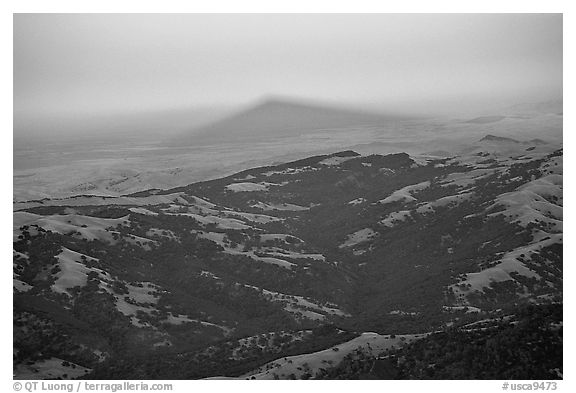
[297, 258]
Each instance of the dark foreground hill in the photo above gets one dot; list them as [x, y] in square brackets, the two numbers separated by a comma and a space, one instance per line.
[284, 271]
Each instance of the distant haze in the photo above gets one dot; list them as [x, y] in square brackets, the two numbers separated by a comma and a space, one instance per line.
[275, 117]
[70, 69]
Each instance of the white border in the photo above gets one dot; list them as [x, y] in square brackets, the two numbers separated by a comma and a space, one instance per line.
[259, 6]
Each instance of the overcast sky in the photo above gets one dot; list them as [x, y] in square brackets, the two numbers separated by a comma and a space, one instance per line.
[101, 63]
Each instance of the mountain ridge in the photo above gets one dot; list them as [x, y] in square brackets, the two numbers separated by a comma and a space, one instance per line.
[223, 276]
[280, 117]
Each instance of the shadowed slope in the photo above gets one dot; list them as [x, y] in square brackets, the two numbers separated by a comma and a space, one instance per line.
[281, 118]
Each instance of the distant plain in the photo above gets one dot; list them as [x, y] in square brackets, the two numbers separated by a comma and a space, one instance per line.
[61, 166]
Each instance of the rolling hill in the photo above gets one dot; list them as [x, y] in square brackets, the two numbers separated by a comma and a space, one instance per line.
[348, 258]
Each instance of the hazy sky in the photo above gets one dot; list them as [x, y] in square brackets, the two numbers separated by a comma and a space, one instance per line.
[100, 63]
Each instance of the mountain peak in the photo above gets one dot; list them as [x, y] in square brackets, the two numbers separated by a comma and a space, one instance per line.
[285, 103]
[538, 141]
[276, 100]
[495, 138]
[485, 119]
[282, 117]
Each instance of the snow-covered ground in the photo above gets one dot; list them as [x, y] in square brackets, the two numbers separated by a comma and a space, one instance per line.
[86, 227]
[538, 203]
[90, 228]
[357, 201]
[141, 210]
[358, 237]
[222, 223]
[283, 237]
[405, 194]
[334, 161]
[295, 255]
[138, 299]
[395, 217]
[163, 233]
[447, 201]
[291, 171]
[265, 341]
[466, 309]
[310, 363]
[219, 238]
[105, 201]
[466, 179]
[301, 307]
[279, 207]
[257, 218]
[72, 272]
[181, 319]
[511, 262]
[248, 187]
[53, 368]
